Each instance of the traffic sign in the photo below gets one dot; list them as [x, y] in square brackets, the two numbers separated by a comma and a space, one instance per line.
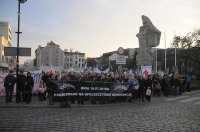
[121, 61]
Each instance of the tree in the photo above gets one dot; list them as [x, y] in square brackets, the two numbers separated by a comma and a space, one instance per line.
[188, 50]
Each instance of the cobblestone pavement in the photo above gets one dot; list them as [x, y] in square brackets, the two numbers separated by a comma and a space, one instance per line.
[162, 114]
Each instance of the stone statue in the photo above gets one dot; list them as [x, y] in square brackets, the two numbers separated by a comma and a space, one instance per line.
[148, 36]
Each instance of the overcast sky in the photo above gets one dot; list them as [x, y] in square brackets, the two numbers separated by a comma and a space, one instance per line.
[97, 26]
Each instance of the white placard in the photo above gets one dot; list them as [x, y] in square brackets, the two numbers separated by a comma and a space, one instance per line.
[146, 70]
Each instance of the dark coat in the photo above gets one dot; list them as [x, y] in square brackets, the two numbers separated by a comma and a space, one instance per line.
[9, 81]
[29, 82]
[164, 83]
[141, 84]
[176, 82]
[21, 80]
[51, 85]
[148, 83]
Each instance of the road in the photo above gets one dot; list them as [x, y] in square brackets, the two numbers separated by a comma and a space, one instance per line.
[173, 114]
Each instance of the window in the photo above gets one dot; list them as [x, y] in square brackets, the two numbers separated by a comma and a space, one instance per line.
[75, 62]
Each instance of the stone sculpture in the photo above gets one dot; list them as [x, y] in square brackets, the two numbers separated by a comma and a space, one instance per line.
[148, 36]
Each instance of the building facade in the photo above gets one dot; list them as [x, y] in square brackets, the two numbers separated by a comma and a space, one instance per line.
[6, 62]
[5, 30]
[74, 59]
[109, 59]
[50, 55]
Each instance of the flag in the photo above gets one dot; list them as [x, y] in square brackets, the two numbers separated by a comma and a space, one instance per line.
[51, 69]
[85, 67]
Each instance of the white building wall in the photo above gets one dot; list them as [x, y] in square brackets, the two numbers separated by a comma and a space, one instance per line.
[5, 29]
[74, 59]
[49, 55]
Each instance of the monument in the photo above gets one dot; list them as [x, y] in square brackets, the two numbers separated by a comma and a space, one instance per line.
[148, 36]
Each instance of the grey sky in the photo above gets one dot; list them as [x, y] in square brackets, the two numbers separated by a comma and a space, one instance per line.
[97, 26]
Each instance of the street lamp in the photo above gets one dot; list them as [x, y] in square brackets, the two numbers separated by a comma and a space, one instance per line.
[18, 32]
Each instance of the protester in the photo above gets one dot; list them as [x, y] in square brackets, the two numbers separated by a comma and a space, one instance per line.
[188, 82]
[156, 88]
[148, 94]
[51, 86]
[165, 85]
[20, 93]
[183, 83]
[41, 91]
[176, 85]
[148, 86]
[135, 86]
[171, 83]
[9, 83]
[141, 81]
[29, 83]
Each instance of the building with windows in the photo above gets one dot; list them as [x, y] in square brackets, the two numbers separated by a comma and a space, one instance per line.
[110, 58]
[74, 59]
[50, 55]
[5, 30]
[6, 62]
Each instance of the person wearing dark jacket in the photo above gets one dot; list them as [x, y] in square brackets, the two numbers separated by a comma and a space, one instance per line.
[141, 88]
[9, 83]
[51, 86]
[20, 93]
[176, 85]
[44, 78]
[148, 84]
[165, 85]
[29, 83]
[171, 84]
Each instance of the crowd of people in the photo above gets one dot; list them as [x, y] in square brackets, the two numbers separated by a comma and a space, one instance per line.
[154, 85]
[24, 89]
[141, 88]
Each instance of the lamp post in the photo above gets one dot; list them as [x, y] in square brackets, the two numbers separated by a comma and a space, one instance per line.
[18, 32]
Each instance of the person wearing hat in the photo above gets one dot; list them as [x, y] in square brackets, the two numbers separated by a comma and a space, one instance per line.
[9, 83]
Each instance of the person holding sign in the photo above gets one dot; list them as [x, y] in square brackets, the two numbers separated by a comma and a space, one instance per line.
[148, 87]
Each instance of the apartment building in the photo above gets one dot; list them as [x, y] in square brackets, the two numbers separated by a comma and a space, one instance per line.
[5, 30]
[50, 55]
[74, 59]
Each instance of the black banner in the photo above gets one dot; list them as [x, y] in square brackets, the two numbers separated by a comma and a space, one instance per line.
[93, 89]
